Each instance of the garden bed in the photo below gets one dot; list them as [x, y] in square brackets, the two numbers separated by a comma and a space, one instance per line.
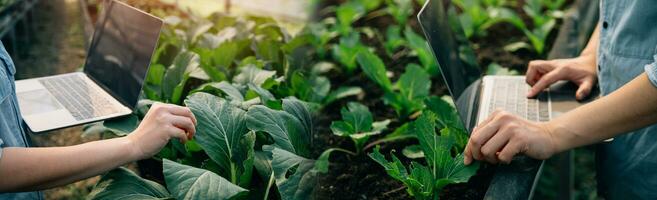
[311, 86]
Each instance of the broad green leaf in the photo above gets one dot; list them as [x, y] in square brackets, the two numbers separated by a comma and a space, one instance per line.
[436, 149]
[253, 75]
[342, 92]
[347, 13]
[122, 126]
[374, 68]
[122, 183]
[446, 113]
[186, 182]
[358, 116]
[286, 129]
[400, 10]
[266, 97]
[222, 133]
[300, 110]
[347, 49]
[313, 88]
[177, 75]
[270, 51]
[303, 179]
[394, 39]
[358, 124]
[395, 169]
[422, 181]
[231, 92]
[415, 83]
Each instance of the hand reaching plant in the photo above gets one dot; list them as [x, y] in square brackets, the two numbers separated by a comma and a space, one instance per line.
[162, 123]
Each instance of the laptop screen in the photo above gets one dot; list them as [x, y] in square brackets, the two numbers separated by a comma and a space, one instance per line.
[455, 57]
[120, 52]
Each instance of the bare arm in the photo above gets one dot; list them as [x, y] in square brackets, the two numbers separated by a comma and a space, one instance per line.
[26, 169]
[504, 135]
[630, 107]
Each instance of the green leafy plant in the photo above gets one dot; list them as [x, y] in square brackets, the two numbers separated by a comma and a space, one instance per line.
[412, 88]
[441, 169]
[358, 124]
[544, 15]
[400, 10]
[479, 15]
[183, 182]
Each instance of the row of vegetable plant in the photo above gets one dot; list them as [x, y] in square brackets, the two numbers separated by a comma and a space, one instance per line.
[271, 104]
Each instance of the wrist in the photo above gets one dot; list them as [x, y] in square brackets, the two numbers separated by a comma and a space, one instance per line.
[589, 60]
[556, 143]
[134, 152]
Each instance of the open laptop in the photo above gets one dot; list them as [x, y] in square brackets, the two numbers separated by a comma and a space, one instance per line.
[117, 62]
[476, 97]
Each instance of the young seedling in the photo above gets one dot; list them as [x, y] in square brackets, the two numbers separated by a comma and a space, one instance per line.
[408, 93]
[358, 124]
[426, 181]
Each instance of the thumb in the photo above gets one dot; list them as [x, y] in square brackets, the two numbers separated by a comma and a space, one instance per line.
[584, 90]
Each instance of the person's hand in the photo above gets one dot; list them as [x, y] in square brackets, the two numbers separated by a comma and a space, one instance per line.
[503, 135]
[581, 71]
[161, 123]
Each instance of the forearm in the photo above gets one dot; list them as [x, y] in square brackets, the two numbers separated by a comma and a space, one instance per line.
[25, 169]
[629, 108]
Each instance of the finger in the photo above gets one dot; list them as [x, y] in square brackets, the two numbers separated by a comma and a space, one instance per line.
[488, 120]
[184, 123]
[495, 144]
[181, 135]
[535, 69]
[467, 155]
[182, 111]
[584, 89]
[481, 137]
[508, 152]
[545, 81]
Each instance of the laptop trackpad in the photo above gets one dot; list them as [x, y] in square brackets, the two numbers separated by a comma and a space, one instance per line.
[37, 101]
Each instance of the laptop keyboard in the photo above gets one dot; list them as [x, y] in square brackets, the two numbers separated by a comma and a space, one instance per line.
[78, 97]
[511, 95]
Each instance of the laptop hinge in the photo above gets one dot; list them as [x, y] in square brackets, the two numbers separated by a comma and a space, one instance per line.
[117, 97]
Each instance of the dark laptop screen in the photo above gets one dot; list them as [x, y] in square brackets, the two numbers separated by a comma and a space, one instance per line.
[121, 50]
[455, 57]
[443, 41]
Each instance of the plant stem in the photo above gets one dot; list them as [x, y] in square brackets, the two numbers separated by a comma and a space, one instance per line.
[271, 181]
[233, 173]
[384, 140]
[345, 151]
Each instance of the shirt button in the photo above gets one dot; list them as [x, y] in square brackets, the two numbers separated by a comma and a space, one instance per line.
[599, 68]
[604, 24]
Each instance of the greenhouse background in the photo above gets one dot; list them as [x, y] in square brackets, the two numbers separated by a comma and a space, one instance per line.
[338, 59]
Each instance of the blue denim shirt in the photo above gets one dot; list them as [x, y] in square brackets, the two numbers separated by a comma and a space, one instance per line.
[11, 131]
[627, 166]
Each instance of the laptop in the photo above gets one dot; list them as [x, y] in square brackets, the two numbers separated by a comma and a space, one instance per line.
[475, 97]
[117, 62]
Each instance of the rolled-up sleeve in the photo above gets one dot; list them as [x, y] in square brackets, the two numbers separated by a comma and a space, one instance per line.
[651, 71]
